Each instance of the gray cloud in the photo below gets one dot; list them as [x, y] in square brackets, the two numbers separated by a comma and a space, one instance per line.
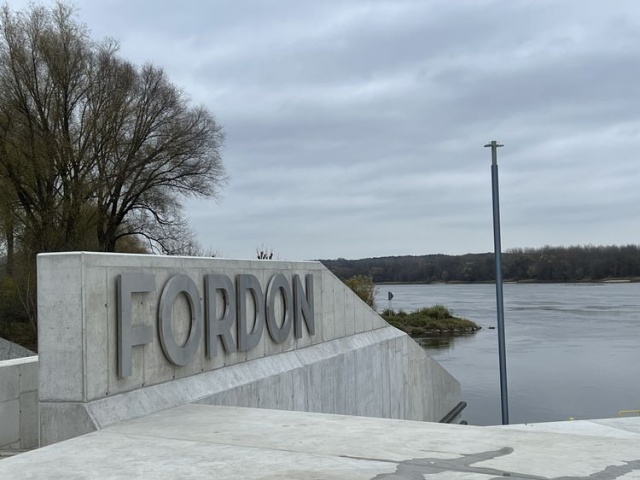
[356, 128]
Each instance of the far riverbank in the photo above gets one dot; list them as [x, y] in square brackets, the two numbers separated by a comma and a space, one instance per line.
[510, 281]
[588, 263]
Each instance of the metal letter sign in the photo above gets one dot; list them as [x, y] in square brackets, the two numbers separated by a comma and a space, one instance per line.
[249, 284]
[279, 284]
[217, 320]
[219, 327]
[303, 306]
[180, 355]
[129, 336]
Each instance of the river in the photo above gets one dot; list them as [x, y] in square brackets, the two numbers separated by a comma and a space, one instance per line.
[573, 350]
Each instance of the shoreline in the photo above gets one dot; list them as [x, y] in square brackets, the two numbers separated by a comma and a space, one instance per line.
[436, 320]
[519, 282]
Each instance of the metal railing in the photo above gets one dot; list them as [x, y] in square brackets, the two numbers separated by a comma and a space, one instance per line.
[622, 413]
[451, 416]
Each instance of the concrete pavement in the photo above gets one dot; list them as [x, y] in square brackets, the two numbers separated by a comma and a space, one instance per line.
[607, 427]
[201, 441]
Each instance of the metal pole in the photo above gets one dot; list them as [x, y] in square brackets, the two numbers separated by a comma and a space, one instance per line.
[502, 353]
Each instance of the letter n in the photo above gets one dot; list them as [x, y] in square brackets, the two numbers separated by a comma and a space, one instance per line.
[303, 306]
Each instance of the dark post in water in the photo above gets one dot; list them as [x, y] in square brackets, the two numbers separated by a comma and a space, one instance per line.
[502, 354]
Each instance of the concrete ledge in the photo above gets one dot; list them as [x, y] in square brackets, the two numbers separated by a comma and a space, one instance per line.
[607, 427]
[199, 441]
[352, 375]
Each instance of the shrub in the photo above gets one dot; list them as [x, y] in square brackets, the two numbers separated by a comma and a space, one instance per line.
[364, 287]
[426, 321]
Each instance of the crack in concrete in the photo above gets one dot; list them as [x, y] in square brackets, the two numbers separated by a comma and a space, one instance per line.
[420, 468]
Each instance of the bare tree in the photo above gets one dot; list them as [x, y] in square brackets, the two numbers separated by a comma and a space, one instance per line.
[93, 147]
[264, 253]
[155, 150]
[42, 57]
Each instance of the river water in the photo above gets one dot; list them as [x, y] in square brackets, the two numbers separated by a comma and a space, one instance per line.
[573, 350]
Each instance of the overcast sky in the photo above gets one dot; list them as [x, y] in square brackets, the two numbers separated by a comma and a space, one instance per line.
[356, 128]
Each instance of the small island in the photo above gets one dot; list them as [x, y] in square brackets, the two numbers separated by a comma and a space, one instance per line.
[430, 321]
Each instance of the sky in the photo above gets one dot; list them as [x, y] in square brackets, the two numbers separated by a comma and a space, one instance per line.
[357, 128]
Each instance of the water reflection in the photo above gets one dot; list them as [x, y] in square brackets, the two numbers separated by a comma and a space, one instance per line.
[435, 343]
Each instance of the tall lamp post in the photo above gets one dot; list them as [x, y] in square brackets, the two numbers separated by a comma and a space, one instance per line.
[504, 398]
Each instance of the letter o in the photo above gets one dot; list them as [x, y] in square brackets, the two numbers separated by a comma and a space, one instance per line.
[176, 354]
[278, 283]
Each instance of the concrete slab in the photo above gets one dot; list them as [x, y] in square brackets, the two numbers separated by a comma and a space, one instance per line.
[19, 403]
[9, 381]
[607, 427]
[10, 416]
[10, 350]
[198, 441]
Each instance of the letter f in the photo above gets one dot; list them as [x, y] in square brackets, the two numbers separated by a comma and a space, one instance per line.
[128, 335]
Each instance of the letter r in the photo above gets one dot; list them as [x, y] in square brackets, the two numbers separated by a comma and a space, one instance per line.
[128, 335]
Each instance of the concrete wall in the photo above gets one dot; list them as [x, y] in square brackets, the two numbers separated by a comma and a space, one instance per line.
[19, 403]
[355, 363]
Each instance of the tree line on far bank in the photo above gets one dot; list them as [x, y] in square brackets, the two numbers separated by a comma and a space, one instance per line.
[547, 264]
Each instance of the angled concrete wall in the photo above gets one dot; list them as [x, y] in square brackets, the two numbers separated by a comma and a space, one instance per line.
[352, 362]
[19, 403]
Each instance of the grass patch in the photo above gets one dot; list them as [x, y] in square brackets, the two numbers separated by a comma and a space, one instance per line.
[429, 321]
